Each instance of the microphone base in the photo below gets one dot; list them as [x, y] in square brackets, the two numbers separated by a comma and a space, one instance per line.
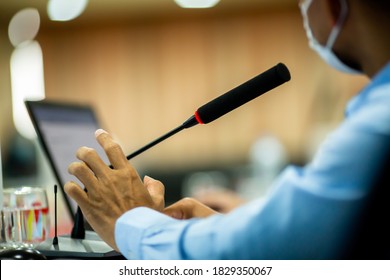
[78, 230]
[92, 247]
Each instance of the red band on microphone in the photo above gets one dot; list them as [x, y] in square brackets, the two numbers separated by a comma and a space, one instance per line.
[198, 119]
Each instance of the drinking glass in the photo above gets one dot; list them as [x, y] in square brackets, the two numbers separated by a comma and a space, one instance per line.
[24, 217]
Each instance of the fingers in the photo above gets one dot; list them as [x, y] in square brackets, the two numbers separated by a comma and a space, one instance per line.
[183, 209]
[223, 200]
[175, 211]
[187, 208]
[113, 150]
[76, 193]
[93, 160]
[82, 172]
[200, 210]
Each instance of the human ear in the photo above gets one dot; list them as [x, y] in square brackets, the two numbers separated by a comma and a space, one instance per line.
[334, 9]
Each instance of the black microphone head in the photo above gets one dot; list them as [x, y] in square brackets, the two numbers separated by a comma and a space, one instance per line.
[270, 79]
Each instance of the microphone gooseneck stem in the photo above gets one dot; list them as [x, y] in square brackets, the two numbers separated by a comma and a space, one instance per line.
[188, 123]
[155, 142]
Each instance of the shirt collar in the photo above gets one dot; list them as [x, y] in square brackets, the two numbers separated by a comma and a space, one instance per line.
[379, 79]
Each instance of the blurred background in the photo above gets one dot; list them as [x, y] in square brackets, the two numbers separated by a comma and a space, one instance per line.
[147, 65]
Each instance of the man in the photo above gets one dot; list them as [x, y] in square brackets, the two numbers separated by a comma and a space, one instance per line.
[310, 212]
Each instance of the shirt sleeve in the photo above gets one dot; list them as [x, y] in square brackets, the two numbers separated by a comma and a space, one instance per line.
[143, 233]
[293, 224]
[309, 213]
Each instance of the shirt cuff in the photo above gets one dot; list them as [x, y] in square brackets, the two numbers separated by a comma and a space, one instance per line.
[131, 226]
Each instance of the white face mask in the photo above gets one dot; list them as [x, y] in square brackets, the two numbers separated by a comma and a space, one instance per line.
[326, 51]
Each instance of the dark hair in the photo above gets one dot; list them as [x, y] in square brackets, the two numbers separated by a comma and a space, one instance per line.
[382, 6]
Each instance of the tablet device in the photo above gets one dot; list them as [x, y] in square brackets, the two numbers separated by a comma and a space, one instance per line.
[63, 128]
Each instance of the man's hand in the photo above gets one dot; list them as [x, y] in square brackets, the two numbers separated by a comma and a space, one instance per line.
[187, 208]
[110, 192]
[222, 201]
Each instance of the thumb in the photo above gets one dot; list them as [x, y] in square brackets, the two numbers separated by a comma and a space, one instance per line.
[156, 191]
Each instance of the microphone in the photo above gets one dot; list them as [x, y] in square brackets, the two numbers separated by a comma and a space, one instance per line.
[216, 108]
[242, 94]
[55, 239]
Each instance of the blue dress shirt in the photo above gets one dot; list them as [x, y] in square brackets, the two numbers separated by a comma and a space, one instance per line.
[308, 214]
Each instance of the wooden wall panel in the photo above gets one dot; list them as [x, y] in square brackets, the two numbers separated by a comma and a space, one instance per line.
[146, 79]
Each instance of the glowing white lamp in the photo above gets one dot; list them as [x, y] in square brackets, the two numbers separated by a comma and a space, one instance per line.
[64, 10]
[27, 80]
[197, 3]
[24, 26]
[27, 83]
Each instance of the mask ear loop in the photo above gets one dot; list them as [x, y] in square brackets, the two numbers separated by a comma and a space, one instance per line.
[339, 24]
[305, 5]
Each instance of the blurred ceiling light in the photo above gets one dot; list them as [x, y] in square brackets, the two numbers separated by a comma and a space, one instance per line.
[64, 10]
[23, 26]
[27, 82]
[26, 64]
[197, 3]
